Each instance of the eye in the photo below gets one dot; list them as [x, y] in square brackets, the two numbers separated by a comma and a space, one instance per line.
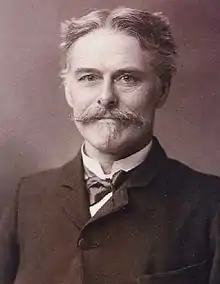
[128, 79]
[88, 78]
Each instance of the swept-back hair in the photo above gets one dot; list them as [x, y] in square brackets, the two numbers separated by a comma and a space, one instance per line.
[152, 30]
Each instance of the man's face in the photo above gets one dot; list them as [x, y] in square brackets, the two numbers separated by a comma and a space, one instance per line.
[113, 91]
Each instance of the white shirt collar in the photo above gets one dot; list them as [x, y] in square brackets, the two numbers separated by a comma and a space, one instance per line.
[125, 164]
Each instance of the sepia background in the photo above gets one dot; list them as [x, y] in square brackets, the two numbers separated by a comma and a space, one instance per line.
[35, 130]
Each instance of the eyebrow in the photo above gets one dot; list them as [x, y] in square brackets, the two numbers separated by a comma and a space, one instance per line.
[80, 71]
[133, 70]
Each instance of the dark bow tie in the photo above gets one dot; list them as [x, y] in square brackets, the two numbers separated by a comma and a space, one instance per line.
[98, 188]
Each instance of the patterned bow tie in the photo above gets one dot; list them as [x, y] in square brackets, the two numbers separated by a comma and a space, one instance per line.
[98, 188]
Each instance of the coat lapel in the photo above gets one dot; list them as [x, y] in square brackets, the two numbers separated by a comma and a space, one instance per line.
[155, 161]
[73, 193]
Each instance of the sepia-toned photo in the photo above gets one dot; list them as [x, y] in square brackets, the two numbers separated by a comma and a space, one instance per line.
[109, 142]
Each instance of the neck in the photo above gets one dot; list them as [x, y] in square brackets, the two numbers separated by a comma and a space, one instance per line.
[106, 159]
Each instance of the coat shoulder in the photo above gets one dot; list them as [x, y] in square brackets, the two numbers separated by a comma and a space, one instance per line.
[46, 180]
[193, 174]
[201, 185]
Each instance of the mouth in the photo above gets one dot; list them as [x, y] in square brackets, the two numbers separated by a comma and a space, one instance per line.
[110, 118]
[107, 119]
[113, 120]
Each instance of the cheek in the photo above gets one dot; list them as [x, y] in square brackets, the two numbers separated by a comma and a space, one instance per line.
[81, 98]
[141, 100]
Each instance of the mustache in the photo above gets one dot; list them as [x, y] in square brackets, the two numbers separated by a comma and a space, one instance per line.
[124, 116]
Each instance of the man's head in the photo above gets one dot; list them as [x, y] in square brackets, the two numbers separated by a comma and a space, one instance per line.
[118, 70]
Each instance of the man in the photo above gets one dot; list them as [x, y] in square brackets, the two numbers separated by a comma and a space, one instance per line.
[121, 211]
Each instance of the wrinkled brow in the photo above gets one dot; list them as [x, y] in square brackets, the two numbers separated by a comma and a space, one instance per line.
[118, 72]
[80, 71]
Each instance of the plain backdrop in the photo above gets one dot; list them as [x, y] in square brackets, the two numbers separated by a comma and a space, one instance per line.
[35, 130]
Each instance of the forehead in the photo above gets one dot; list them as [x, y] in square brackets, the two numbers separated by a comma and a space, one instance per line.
[108, 50]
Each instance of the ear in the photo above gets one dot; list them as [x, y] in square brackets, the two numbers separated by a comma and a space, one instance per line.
[68, 93]
[164, 92]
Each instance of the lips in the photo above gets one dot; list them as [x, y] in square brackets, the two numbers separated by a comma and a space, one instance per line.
[111, 118]
[108, 117]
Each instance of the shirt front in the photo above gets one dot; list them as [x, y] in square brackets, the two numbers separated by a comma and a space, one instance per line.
[92, 167]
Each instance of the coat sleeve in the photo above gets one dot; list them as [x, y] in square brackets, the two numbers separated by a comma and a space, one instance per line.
[215, 248]
[9, 248]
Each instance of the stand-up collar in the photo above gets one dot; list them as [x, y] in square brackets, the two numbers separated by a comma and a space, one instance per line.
[125, 164]
[73, 172]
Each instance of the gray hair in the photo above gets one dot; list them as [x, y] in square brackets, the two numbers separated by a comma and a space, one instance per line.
[152, 30]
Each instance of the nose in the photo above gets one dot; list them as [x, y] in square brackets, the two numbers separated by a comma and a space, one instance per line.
[108, 97]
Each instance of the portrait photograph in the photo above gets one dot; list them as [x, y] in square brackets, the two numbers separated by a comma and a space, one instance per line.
[110, 142]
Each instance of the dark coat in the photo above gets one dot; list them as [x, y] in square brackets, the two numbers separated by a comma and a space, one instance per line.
[162, 226]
